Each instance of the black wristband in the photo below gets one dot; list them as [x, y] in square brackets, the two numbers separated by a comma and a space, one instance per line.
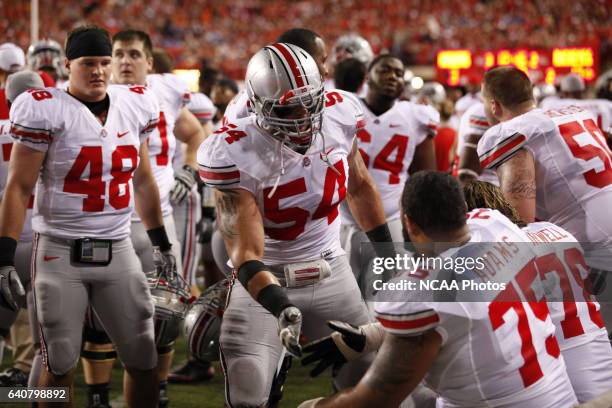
[274, 299]
[249, 269]
[159, 238]
[8, 246]
[380, 234]
[382, 242]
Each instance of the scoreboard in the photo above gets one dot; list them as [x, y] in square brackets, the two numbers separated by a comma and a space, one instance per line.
[453, 67]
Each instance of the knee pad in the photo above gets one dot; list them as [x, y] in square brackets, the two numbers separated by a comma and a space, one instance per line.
[246, 383]
[139, 352]
[48, 302]
[93, 335]
[61, 356]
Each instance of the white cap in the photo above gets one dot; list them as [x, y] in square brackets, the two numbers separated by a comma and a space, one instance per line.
[572, 83]
[12, 57]
[20, 82]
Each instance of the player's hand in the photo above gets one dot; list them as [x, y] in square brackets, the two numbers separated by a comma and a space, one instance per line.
[10, 287]
[165, 263]
[290, 326]
[346, 343]
[184, 180]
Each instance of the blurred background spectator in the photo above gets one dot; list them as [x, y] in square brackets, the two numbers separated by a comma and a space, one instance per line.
[224, 34]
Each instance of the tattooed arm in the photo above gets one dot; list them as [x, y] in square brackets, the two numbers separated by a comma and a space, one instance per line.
[517, 182]
[241, 225]
[400, 365]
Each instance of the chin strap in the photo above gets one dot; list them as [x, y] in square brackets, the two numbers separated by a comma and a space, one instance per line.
[282, 169]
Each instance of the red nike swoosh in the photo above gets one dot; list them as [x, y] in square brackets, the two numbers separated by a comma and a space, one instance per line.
[122, 134]
[50, 258]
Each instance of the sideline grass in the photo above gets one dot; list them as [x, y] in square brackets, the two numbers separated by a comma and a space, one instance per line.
[299, 386]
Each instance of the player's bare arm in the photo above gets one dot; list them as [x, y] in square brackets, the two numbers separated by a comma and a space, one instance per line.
[22, 175]
[400, 365]
[362, 194]
[146, 192]
[469, 164]
[517, 181]
[241, 224]
[424, 156]
[188, 130]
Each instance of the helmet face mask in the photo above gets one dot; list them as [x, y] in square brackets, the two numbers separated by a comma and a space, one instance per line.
[286, 92]
[202, 326]
[171, 298]
[47, 55]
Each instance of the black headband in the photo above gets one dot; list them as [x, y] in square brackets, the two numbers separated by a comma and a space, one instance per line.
[89, 43]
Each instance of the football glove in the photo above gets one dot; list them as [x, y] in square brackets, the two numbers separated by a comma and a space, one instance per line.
[10, 287]
[290, 326]
[184, 180]
[346, 343]
[165, 263]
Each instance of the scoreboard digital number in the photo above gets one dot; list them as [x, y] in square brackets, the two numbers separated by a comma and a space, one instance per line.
[542, 65]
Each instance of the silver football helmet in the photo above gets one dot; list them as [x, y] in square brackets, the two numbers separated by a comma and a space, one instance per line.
[47, 55]
[203, 322]
[285, 89]
[171, 298]
[433, 93]
[352, 46]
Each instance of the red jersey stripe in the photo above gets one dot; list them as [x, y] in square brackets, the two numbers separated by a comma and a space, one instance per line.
[212, 175]
[409, 324]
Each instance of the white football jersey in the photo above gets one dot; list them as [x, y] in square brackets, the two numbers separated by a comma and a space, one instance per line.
[387, 145]
[6, 146]
[500, 353]
[172, 93]
[85, 186]
[301, 219]
[561, 265]
[573, 172]
[467, 100]
[238, 108]
[202, 107]
[330, 85]
[600, 108]
[474, 122]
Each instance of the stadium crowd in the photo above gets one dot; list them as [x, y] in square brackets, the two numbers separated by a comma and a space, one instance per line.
[272, 191]
[226, 34]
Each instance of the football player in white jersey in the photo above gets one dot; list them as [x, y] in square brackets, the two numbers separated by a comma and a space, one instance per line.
[573, 92]
[580, 330]
[472, 125]
[279, 177]
[350, 46]
[472, 353]
[397, 140]
[89, 139]
[18, 374]
[132, 59]
[552, 165]
[185, 197]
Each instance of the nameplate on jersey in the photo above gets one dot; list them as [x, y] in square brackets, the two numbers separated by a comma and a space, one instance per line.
[93, 251]
[306, 273]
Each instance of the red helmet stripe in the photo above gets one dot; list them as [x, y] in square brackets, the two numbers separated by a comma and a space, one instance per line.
[293, 64]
